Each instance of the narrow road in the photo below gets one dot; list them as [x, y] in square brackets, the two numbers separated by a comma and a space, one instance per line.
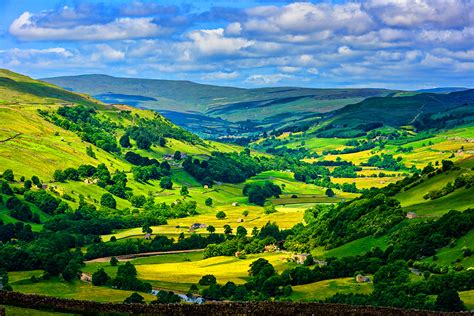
[142, 254]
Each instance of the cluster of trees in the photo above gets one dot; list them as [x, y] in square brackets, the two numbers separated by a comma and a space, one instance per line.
[225, 167]
[385, 161]
[125, 279]
[258, 193]
[85, 122]
[370, 214]
[269, 234]
[264, 283]
[464, 180]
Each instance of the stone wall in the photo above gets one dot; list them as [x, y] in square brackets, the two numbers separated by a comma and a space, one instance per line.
[211, 308]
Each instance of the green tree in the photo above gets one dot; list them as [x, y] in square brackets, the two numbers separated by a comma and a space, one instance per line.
[208, 202]
[108, 200]
[330, 193]
[166, 183]
[8, 175]
[5, 188]
[211, 229]
[100, 277]
[177, 155]
[184, 191]
[59, 176]
[147, 229]
[220, 215]
[135, 298]
[449, 301]
[227, 229]
[138, 200]
[208, 279]
[113, 261]
[27, 184]
[245, 213]
[241, 231]
[90, 152]
[125, 141]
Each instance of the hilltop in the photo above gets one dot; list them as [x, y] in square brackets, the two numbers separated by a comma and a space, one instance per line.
[264, 107]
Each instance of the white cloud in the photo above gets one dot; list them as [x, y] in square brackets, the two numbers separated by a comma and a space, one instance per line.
[289, 69]
[267, 79]
[221, 75]
[106, 53]
[214, 41]
[26, 28]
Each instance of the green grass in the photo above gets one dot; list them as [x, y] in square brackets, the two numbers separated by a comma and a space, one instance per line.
[353, 248]
[175, 273]
[324, 289]
[468, 298]
[448, 256]
[20, 281]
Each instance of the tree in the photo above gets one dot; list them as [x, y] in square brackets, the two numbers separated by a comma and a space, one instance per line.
[100, 277]
[36, 181]
[90, 152]
[165, 297]
[208, 279]
[8, 175]
[177, 155]
[449, 301]
[211, 229]
[245, 213]
[166, 183]
[330, 193]
[59, 176]
[135, 298]
[227, 229]
[5, 188]
[125, 141]
[220, 215]
[113, 261]
[108, 200]
[147, 229]
[241, 231]
[138, 200]
[27, 184]
[208, 202]
[184, 191]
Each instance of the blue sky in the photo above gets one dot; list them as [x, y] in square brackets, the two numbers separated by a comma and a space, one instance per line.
[406, 44]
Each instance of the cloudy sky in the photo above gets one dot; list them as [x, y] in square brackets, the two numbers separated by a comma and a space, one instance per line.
[407, 44]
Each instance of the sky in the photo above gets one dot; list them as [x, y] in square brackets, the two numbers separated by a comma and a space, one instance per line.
[397, 44]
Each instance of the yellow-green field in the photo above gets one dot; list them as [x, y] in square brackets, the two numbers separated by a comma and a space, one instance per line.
[367, 183]
[324, 289]
[20, 281]
[468, 298]
[180, 272]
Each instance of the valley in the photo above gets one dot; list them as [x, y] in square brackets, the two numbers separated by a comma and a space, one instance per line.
[343, 210]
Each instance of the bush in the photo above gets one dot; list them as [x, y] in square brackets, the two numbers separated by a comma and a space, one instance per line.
[221, 215]
[100, 277]
[166, 183]
[208, 279]
[8, 175]
[108, 200]
[135, 298]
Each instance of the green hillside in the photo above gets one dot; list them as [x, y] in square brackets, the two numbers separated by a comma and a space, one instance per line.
[181, 100]
[424, 111]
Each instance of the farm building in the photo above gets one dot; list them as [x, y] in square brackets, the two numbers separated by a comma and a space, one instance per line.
[411, 215]
[362, 279]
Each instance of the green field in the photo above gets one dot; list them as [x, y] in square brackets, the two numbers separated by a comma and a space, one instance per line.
[179, 272]
[20, 281]
[324, 289]
[352, 248]
[449, 256]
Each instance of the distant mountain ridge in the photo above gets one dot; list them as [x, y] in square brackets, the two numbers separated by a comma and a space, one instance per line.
[230, 104]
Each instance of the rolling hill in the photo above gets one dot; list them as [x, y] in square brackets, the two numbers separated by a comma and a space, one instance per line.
[264, 107]
[423, 111]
